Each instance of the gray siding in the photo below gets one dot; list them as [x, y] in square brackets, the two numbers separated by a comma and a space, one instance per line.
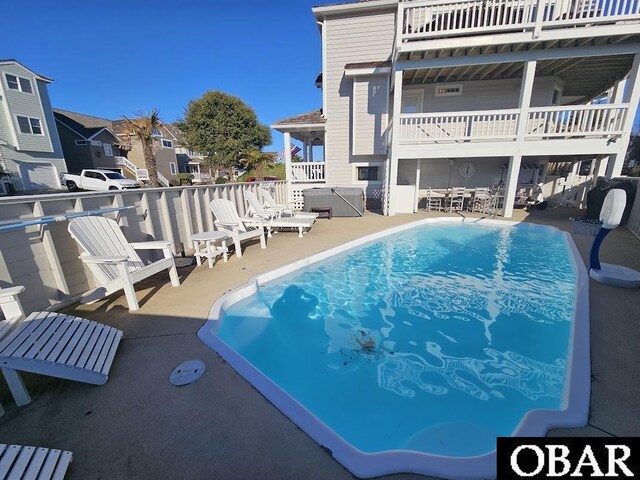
[163, 157]
[27, 104]
[370, 115]
[442, 173]
[86, 156]
[362, 38]
[31, 151]
[487, 95]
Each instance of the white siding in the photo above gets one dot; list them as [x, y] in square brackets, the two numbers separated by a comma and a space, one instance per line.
[362, 38]
[370, 115]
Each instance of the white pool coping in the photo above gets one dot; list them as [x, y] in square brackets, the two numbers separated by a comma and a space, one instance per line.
[535, 423]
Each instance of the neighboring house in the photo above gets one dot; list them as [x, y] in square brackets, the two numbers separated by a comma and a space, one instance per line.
[87, 141]
[189, 161]
[164, 147]
[466, 94]
[29, 145]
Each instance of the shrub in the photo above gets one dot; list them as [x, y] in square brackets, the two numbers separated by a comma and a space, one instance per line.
[220, 180]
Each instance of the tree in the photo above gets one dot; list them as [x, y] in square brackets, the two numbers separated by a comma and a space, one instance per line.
[258, 162]
[142, 128]
[631, 165]
[223, 128]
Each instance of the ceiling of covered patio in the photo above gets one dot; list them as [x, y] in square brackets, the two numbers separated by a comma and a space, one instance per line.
[585, 77]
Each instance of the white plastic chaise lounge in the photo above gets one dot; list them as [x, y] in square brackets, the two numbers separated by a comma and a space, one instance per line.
[273, 220]
[52, 344]
[33, 463]
[239, 229]
[286, 210]
[114, 261]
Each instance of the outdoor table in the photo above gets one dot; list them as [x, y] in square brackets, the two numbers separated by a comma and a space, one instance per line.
[206, 246]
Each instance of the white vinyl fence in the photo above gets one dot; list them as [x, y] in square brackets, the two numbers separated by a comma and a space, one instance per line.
[44, 258]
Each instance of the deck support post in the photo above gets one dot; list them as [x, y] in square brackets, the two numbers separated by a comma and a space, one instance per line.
[393, 158]
[16, 386]
[515, 161]
[417, 196]
[287, 165]
[630, 97]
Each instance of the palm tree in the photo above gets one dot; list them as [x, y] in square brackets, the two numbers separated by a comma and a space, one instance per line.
[258, 161]
[142, 127]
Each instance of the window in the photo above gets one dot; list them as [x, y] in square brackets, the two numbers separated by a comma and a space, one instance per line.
[19, 83]
[172, 168]
[412, 101]
[448, 90]
[25, 85]
[96, 143]
[12, 82]
[156, 132]
[167, 143]
[114, 176]
[29, 126]
[107, 149]
[36, 128]
[367, 174]
[96, 175]
[82, 142]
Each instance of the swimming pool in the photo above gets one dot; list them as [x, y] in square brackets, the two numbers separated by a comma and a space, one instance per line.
[411, 350]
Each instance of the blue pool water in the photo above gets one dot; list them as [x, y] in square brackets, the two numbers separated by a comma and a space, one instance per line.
[437, 339]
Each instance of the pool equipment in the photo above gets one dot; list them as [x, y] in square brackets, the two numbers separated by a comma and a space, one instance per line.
[610, 217]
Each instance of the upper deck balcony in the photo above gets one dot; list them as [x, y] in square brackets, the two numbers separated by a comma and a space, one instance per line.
[446, 22]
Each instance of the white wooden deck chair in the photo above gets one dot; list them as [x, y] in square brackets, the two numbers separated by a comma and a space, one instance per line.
[285, 210]
[33, 463]
[53, 344]
[273, 220]
[114, 261]
[239, 229]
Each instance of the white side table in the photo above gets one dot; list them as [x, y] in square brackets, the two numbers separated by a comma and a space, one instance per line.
[206, 246]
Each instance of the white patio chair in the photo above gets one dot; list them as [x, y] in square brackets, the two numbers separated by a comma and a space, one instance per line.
[480, 200]
[456, 199]
[239, 229]
[285, 210]
[114, 261]
[433, 202]
[52, 344]
[31, 463]
[273, 220]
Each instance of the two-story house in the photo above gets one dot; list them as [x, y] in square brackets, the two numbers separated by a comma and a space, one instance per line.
[163, 145]
[30, 149]
[87, 141]
[437, 94]
[189, 160]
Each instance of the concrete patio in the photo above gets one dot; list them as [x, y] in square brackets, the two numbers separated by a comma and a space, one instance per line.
[140, 426]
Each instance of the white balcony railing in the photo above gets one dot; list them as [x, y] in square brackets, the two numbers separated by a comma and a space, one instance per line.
[605, 120]
[441, 18]
[458, 126]
[581, 121]
[307, 172]
[201, 177]
[139, 173]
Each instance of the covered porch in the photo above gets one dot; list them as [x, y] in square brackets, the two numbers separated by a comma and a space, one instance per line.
[194, 167]
[303, 152]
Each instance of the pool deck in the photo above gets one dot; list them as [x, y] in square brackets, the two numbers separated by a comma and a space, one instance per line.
[140, 426]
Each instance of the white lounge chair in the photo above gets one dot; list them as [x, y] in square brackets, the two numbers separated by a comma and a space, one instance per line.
[53, 344]
[31, 463]
[286, 210]
[114, 261]
[239, 229]
[273, 220]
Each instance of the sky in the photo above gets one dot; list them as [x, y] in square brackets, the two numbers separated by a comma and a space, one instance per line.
[119, 57]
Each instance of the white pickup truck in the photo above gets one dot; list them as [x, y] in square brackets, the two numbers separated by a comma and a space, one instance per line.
[97, 180]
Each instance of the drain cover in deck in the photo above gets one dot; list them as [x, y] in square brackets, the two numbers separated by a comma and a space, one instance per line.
[187, 372]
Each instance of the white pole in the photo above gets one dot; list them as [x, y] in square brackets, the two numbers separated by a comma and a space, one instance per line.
[417, 197]
[393, 167]
[526, 87]
[287, 165]
[631, 97]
